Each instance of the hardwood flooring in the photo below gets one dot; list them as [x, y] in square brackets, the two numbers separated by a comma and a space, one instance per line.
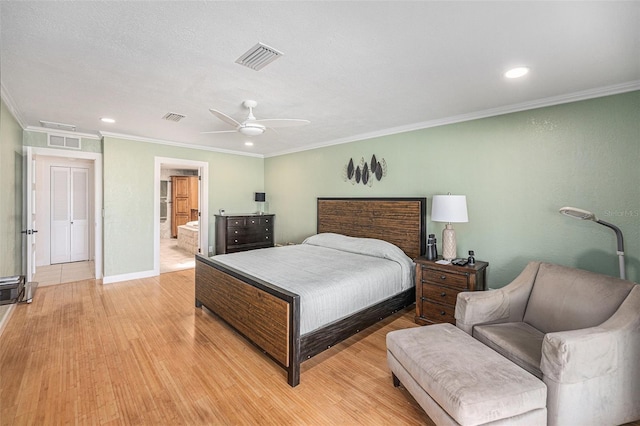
[139, 352]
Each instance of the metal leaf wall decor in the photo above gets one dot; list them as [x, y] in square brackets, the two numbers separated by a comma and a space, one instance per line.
[364, 172]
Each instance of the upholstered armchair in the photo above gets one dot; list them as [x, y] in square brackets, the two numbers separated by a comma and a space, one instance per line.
[576, 330]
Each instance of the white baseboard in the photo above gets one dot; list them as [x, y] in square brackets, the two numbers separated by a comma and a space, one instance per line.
[127, 277]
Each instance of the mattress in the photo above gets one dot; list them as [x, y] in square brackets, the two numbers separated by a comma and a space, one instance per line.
[334, 275]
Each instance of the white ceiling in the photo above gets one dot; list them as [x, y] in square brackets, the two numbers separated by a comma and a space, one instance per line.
[354, 69]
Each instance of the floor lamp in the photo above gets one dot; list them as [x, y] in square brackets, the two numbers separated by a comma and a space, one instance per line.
[585, 215]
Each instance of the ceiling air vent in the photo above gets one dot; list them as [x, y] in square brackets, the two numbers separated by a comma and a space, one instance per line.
[58, 126]
[172, 116]
[258, 57]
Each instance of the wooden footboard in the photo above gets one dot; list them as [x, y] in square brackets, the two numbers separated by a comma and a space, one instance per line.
[266, 315]
[269, 316]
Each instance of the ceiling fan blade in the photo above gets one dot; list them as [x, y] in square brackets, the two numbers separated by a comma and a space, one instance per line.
[224, 117]
[281, 122]
[219, 131]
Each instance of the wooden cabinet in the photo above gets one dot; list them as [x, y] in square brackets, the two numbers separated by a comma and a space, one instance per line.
[243, 232]
[437, 288]
[184, 198]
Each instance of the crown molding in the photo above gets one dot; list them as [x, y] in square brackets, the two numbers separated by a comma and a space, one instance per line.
[61, 132]
[493, 112]
[8, 100]
[177, 144]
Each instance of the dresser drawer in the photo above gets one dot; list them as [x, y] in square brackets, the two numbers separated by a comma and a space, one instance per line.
[434, 312]
[439, 294]
[233, 240]
[235, 222]
[445, 278]
[258, 221]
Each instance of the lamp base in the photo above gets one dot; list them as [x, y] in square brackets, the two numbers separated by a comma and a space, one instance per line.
[448, 242]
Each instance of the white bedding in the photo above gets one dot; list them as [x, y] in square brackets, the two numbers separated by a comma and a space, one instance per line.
[334, 275]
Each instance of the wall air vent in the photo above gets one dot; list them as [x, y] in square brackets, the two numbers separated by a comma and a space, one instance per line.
[172, 116]
[61, 141]
[58, 126]
[258, 57]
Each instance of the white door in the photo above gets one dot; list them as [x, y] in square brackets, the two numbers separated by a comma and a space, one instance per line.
[69, 214]
[29, 214]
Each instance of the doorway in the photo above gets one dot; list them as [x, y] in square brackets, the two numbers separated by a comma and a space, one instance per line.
[181, 225]
[71, 254]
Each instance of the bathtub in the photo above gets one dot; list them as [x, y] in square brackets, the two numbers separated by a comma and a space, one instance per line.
[188, 237]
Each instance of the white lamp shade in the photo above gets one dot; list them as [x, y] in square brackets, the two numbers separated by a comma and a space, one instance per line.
[449, 208]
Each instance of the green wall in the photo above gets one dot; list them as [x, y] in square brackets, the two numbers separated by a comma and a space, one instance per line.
[129, 191]
[11, 193]
[39, 139]
[516, 170]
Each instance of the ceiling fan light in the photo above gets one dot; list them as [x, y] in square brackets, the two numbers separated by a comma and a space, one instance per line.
[251, 130]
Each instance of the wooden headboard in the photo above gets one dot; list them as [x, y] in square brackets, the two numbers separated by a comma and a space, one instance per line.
[400, 221]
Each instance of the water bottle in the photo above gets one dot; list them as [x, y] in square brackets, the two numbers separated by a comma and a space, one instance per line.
[432, 250]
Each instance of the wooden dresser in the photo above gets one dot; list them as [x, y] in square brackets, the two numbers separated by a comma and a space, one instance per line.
[437, 287]
[243, 232]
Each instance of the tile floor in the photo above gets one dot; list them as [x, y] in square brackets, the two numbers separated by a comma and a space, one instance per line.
[64, 273]
[172, 258]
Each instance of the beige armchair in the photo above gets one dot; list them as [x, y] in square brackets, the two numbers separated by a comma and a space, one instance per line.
[576, 330]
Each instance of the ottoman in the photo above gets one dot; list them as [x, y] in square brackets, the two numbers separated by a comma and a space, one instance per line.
[459, 381]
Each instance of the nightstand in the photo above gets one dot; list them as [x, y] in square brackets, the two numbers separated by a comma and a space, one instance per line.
[437, 287]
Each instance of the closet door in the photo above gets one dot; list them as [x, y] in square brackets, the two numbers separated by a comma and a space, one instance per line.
[69, 214]
[79, 238]
[60, 214]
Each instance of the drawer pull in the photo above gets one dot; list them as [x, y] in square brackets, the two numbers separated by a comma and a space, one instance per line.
[267, 229]
[443, 277]
[443, 313]
[235, 232]
[443, 294]
[235, 241]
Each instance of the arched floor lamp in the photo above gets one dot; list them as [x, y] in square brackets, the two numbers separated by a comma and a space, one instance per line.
[585, 215]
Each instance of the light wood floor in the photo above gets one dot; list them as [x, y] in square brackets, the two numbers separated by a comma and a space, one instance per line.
[139, 352]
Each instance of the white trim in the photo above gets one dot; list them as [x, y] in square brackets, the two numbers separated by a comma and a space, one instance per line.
[97, 193]
[127, 277]
[203, 207]
[178, 144]
[540, 103]
[8, 100]
[61, 132]
[5, 319]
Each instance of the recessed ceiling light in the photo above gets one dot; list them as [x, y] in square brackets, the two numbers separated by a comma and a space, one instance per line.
[107, 120]
[248, 144]
[517, 72]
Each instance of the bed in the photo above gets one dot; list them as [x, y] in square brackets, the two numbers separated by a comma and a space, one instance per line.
[269, 316]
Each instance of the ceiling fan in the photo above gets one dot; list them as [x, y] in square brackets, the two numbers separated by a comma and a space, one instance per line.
[252, 126]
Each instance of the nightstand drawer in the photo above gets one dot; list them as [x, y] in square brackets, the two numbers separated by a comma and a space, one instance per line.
[445, 278]
[439, 294]
[437, 313]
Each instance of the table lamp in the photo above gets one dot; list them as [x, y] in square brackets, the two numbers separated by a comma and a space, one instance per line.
[260, 198]
[451, 209]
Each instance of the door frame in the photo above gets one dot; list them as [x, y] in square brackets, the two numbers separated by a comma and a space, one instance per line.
[32, 152]
[203, 204]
